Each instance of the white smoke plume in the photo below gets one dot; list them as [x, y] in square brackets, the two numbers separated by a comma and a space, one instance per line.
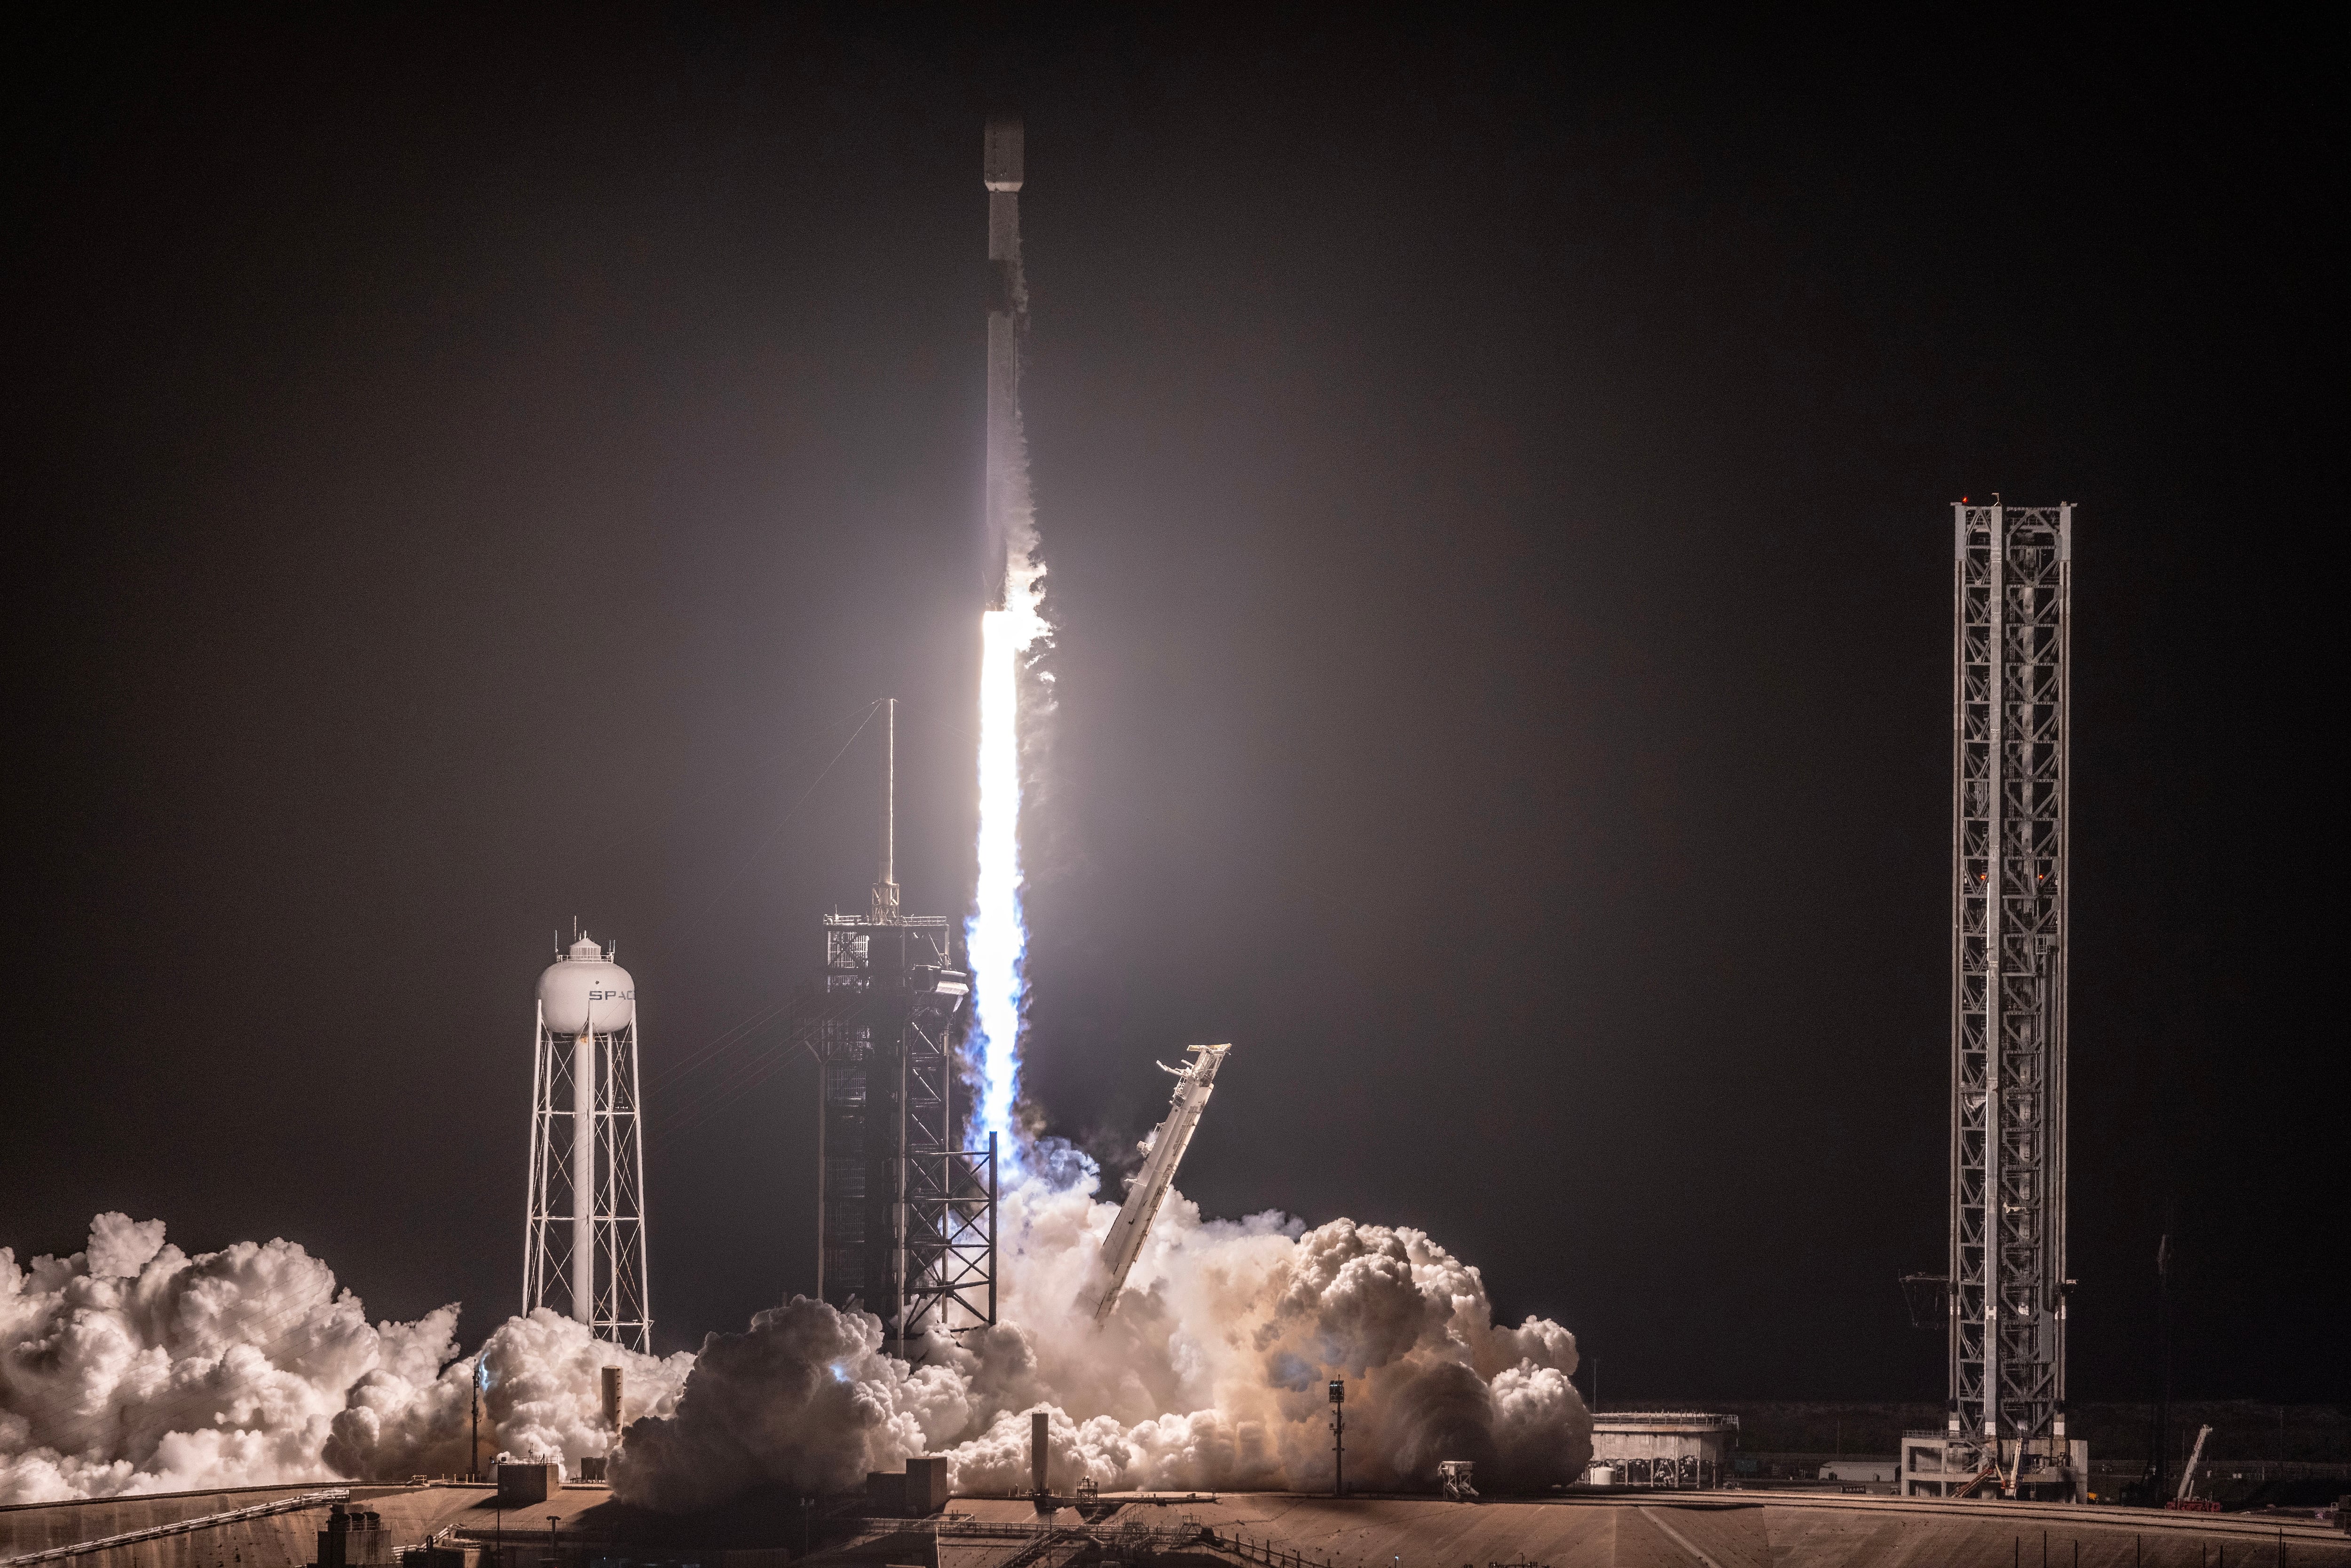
[1211, 1372]
[544, 1404]
[132, 1367]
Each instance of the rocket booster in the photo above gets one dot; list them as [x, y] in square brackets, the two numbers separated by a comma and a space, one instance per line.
[1008, 320]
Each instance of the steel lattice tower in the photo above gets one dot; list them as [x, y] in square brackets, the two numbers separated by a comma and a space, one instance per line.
[2012, 573]
[905, 1217]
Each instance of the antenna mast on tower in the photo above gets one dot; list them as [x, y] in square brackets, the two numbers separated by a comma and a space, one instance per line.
[885, 885]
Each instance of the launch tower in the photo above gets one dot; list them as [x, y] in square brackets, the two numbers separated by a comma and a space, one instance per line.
[584, 1227]
[905, 1216]
[2012, 573]
[2011, 584]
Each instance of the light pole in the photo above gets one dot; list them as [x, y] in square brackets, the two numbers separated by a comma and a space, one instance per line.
[2163, 1404]
[1338, 1436]
[481, 1381]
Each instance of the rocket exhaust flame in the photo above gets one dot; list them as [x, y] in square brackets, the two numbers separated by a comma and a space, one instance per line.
[996, 935]
[1012, 626]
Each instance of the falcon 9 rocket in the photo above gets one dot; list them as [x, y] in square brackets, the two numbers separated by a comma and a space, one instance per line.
[1008, 521]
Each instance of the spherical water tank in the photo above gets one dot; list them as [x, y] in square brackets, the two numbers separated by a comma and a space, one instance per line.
[582, 988]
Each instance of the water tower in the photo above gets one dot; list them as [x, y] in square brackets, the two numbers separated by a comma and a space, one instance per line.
[584, 1241]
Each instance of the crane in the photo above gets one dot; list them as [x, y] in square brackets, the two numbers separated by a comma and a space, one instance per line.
[2188, 1500]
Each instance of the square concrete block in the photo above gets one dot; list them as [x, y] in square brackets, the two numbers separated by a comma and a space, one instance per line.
[528, 1483]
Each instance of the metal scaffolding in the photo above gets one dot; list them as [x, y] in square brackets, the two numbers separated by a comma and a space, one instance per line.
[905, 1217]
[604, 1285]
[2013, 574]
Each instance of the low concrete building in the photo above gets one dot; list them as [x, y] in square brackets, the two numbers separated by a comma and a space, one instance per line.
[1681, 1450]
[519, 1484]
[1875, 1475]
[919, 1490]
[1936, 1464]
[354, 1538]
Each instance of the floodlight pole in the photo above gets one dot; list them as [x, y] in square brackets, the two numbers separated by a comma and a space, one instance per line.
[1338, 1438]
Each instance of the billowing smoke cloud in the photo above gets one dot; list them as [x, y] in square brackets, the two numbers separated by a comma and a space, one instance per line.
[544, 1404]
[132, 1367]
[806, 1401]
[1211, 1372]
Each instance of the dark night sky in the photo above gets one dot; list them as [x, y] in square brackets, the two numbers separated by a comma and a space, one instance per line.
[1496, 487]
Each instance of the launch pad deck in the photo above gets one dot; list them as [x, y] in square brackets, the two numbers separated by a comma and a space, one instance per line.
[581, 1527]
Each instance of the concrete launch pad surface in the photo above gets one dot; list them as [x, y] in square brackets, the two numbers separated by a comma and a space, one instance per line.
[1726, 1530]
[1621, 1530]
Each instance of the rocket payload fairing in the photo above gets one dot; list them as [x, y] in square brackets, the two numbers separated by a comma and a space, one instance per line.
[1007, 322]
[1193, 1082]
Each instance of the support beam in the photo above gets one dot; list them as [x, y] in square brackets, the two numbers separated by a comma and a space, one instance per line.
[2013, 588]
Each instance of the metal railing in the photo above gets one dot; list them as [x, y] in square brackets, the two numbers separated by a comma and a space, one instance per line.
[1263, 1552]
[183, 1526]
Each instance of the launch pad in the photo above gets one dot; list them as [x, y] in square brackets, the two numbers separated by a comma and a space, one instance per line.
[581, 1527]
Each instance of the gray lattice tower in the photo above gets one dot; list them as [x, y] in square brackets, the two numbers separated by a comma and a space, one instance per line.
[906, 1218]
[2011, 584]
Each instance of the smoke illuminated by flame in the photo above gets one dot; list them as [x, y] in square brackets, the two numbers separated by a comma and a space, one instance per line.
[997, 934]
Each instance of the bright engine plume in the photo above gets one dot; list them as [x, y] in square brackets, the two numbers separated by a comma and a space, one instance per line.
[998, 935]
[1011, 628]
